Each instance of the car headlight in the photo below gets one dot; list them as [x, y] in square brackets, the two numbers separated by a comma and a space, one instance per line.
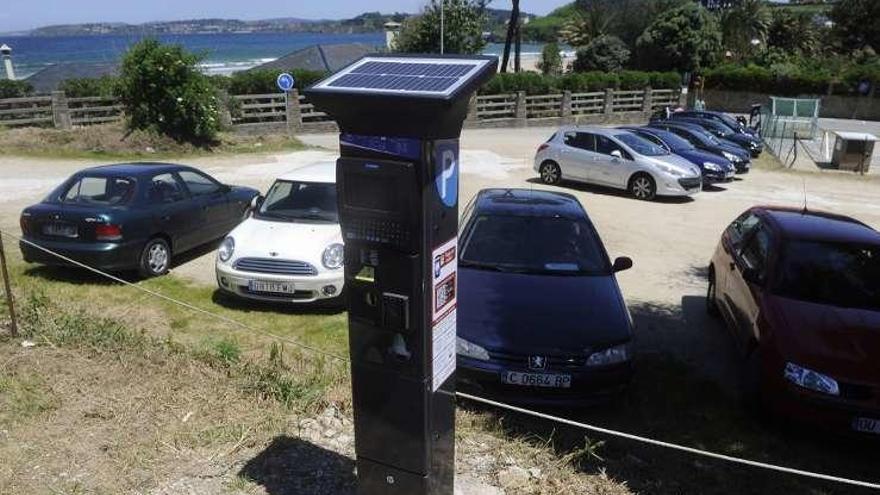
[227, 247]
[712, 166]
[471, 350]
[731, 157]
[612, 355]
[811, 380]
[671, 171]
[333, 256]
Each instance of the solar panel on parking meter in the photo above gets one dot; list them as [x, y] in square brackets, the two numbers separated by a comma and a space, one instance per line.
[397, 185]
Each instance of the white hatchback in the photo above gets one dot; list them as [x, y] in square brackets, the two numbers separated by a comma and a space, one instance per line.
[290, 248]
[616, 158]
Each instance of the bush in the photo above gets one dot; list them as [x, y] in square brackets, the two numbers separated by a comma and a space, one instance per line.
[551, 60]
[90, 86]
[606, 53]
[781, 79]
[163, 90]
[579, 82]
[14, 89]
[630, 79]
[665, 80]
[530, 82]
[254, 82]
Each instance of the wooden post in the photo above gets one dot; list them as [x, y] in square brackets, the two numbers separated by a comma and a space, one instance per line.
[648, 101]
[294, 110]
[60, 110]
[225, 114]
[472, 115]
[521, 110]
[565, 111]
[609, 101]
[8, 285]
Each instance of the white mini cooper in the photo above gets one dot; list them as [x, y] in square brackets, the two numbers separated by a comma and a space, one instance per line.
[290, 248]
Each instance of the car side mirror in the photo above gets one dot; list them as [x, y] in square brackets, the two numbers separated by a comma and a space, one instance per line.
[617, 154]
[621, 264]
[257, 202]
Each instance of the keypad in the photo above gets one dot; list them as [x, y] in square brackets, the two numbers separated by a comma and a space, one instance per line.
[378, 231]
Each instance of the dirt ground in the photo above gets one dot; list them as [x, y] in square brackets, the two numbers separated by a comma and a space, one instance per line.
[670, 241]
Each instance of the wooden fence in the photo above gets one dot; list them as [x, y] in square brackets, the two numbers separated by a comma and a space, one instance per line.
[293, 112]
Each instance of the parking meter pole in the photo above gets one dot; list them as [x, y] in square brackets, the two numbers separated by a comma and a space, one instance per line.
[397, 192]
[13, 329]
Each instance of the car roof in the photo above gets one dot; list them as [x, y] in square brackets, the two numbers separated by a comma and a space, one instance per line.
[683, 125]
[133, 169]
[529, 202]
[316, 172]
[801, 224]
[605, 131]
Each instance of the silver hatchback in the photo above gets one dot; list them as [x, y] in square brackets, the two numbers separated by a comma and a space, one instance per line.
[616, 158]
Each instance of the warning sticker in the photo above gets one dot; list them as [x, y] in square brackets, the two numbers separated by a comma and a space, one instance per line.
[445, 283]
[444, 349]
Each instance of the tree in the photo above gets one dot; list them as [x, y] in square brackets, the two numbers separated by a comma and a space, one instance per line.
[512, 31]
[551, 62]
[605, 53]
[743, 25]
[463, 20]
[162, 89]
[591, 19]
[793, 33]
[685, 38]
[857, 23]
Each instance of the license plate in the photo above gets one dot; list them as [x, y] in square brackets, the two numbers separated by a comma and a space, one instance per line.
[271, 287]
[547, 380]
[867, 425]
[59, 230]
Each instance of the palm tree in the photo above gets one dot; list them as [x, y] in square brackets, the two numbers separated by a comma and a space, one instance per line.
[745, 25]
[592, 19]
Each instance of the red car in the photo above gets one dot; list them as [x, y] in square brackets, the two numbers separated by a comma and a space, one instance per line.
[800, 292]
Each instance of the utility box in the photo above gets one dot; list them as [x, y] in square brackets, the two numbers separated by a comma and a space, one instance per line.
[853, 151]
[397, 189]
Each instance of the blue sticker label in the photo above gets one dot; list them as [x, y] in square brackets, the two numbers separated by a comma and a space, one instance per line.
[285, 82]
[446, 171]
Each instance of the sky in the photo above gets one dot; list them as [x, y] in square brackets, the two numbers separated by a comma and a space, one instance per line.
[20, 15]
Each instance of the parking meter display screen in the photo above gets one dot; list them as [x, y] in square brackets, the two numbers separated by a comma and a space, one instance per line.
[372, 193]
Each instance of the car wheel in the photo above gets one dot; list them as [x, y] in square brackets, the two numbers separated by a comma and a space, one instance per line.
[642, 187]
[550, 173]
[712, 295]
[155, 258]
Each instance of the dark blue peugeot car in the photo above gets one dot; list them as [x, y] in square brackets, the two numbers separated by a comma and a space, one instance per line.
[132, 216]
[714, 168]
[701, 139]
[541, 317]
[746, 141]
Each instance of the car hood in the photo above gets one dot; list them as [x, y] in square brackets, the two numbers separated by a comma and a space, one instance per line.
[521, 313]
[842, 341]
[300, 241]
[735, 149]
[677, 162]
[701, 157]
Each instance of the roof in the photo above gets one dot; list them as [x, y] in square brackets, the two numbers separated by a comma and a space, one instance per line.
[605, 131]
[855, 136]
[320, 58]
[134, 169]
[820, 226]
[50, 78]
[315, 172]
[528, 202]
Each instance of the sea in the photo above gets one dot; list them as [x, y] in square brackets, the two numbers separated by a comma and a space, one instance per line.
[221, 53]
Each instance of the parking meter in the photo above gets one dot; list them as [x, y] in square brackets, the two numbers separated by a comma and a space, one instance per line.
[397, 187]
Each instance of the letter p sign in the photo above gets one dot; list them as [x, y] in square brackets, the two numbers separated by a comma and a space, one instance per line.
[446, 167]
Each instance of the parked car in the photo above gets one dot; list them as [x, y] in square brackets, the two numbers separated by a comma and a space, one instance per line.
[723, 118]
[290, 249]
[132, 216]
[745, 141]
[714, 168]
[541, 318]
[702, 140]
[618, 159]
[800, 292]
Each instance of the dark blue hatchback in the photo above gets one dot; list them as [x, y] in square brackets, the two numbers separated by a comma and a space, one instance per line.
[715, 168]
[541, 317]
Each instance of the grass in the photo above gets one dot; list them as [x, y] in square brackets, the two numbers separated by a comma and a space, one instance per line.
[113, 142]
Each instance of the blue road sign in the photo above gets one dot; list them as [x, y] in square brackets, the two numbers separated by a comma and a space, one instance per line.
[285, 82]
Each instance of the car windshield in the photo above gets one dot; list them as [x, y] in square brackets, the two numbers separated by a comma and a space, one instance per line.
[838, 274]
[552, 245]
[640, 145]
[292, 200]
[706, 137]
[729, 121]
[103, 191]
[675, 142]
[722, 129]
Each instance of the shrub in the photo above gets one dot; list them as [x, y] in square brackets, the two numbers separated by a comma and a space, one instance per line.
[606, 53]
[665, 80]
[14, 89]
[163, 90]
[551, 61]
[90, 86]
[630, 79]
[588, 81]
[530, 82]
[262, 81]
[579, 82]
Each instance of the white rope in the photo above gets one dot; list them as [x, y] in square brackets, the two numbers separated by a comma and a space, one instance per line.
[500, 405]
[177, 302]
[659, 443]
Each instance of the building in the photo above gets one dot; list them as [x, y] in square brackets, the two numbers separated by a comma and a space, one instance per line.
[320, 58]
[50, 78]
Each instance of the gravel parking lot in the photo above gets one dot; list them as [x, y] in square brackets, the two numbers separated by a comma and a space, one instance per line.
[670, 241]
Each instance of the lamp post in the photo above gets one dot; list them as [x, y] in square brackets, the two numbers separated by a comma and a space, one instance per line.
[6, 54]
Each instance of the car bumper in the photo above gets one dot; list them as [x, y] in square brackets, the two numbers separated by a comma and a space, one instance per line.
[743, 167]
[831, 415]
[587, 386]
[713, 177]
[107, 256]
[325, 285]
[673, 187]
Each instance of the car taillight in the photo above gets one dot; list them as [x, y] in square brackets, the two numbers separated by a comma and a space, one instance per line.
[543, 147]
[108, 232]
